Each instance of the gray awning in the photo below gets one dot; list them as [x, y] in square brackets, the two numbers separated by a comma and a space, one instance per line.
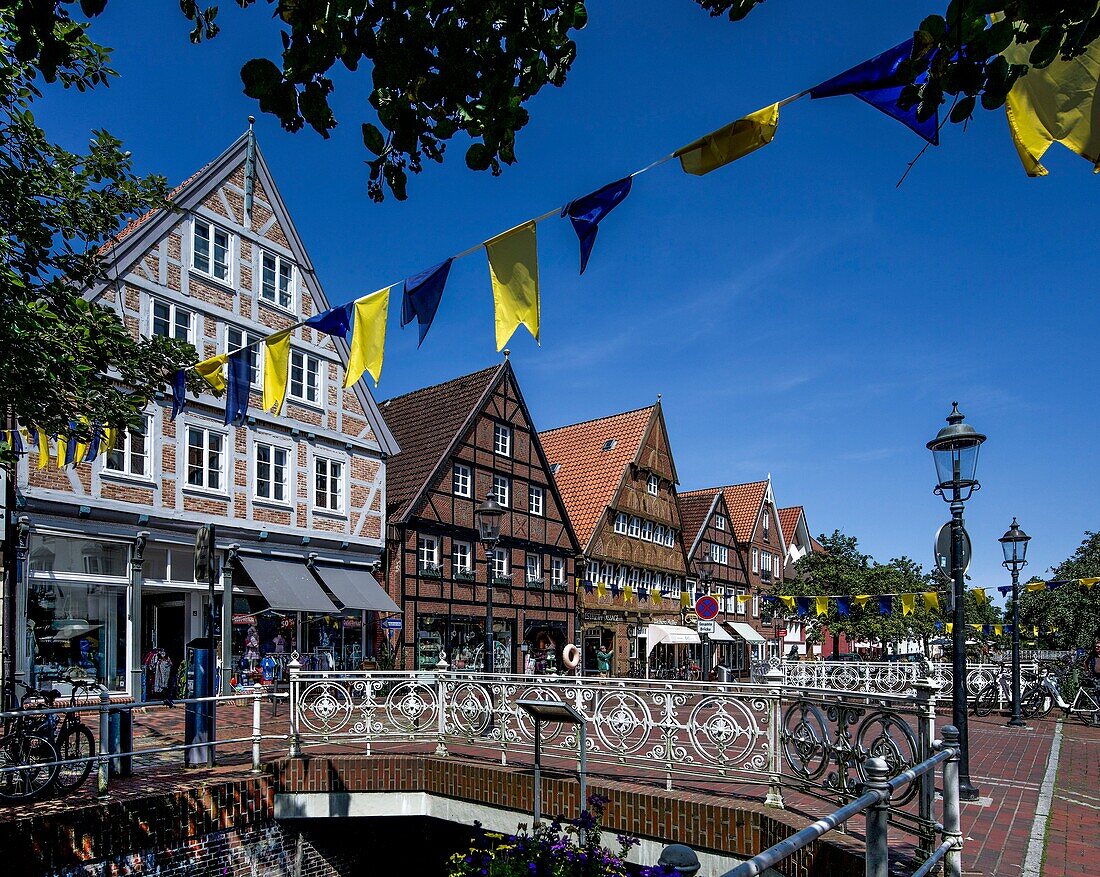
[287, 584]
[355, 588]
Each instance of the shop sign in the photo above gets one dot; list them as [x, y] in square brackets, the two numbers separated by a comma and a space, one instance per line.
[603, 618]
[244, 619]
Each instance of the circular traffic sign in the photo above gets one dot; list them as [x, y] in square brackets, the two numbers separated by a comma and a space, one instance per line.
[706, 607]
[943, 550]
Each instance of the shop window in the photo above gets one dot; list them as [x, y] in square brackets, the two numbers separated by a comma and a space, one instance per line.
[169, 563]
[68, 555]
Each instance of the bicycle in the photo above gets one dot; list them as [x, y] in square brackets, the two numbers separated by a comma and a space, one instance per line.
[1042, 696]
[993, 694]
[74, 741]
[28, 758]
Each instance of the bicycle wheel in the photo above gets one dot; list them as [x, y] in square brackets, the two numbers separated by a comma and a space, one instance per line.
[75, 743]
[986, 700]
[26, 767]
[1036, 702]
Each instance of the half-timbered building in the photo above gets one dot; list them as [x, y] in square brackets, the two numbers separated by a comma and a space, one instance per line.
[297, 497]
[618, 480]
[462, 441]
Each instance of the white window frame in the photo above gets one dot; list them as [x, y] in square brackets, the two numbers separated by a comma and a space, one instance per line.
[635, 528]
[535, 568]
[720, 554]
[209, 271]
[620, 523]
[173, 314]
[460, 565]
[670, 537]
[502, 490]
[255, 353]
[557, 571]
[273, 450]
[767, 525]
[502, 439]
[652, 485]
[279, 263]
[427, 552]
[755, 559]
[659, 534]
[502, 563]
[635, 578]
[341, 492]
[124, 437]
[775, 564]
[222, 487]
[460, 471]
[319, 402]
[720, 522]
[647, 531]
[536, 500]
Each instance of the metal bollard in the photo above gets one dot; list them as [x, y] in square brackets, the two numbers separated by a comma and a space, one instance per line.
[952, 822]
[294, 668]
[877, 862]
[256, 731]
[104, 762]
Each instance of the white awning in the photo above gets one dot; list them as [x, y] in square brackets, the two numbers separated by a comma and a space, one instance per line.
[746, 631]
[670, 634]
[720, 635]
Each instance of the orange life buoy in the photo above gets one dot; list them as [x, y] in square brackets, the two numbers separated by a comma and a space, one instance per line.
[571, 656]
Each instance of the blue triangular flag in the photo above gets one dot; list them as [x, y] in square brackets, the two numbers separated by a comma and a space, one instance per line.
[421, 297]
[71, 445]
[885, 604]
[236, 394]
[334, 321]
[614, 587]
[1055, 584]
[803, 605]
[1004, 589]
[587, 586]
[585, 213]
[179, 393]
[15, 440]
[877, 82]
[843, 606]
[92, 450]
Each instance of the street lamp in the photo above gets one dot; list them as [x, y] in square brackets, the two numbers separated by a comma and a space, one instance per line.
[488, 516]
[1014, 545]
[955, 452]
[706, 573]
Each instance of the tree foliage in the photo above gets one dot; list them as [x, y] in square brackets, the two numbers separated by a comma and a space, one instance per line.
[1073, 610]
[65, 359]
[448, 66]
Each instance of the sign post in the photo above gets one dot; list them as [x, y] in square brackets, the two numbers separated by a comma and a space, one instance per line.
[706, 608]
[206, 568]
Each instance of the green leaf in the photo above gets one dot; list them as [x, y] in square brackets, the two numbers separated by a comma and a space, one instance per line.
[964, 109]
[580, 15]
[479, 157]
[373, 139]
[934, 26]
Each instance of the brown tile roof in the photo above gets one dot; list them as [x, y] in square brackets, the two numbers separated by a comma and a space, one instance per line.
[743, 501]
[694, 507]
[425, 423]
[136, 223]
[588, 476]
[788, 520]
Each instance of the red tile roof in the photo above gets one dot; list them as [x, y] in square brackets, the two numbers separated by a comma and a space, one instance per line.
[788, 520]
[743, 501]
[136, 223]
[588, 475]
[425, 423]
[695, 505]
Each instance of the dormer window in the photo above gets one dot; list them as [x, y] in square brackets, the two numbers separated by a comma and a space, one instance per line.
[277, 278]
[609, 444]
[554, 467]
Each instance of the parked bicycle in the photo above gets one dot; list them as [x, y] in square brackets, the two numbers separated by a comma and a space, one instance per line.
[994, 693]
[28, 758]
[1042, 696]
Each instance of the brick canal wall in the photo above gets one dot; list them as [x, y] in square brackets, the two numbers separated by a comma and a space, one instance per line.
[227, 827]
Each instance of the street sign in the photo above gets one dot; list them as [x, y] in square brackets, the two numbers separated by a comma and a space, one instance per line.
[392, 623]
[781, 632]
[943, 550]
[702, 626]
[706, 607]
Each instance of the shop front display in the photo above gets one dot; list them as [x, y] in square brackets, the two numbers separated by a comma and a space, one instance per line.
[542, 646]
[463, 641]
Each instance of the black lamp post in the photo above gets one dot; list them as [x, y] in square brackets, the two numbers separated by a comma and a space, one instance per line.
[488, 516]
[706, 574]
[955, 452]
[1014, 544]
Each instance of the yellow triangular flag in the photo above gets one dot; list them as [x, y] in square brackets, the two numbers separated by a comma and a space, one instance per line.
[787, 601]
[43, 448]
[514, 269]
[1034, 630]
[368, 336]
[998, 629]
[822, 605]
[1035, 586]
[950, 627]
[979, 596]
[976, 626]
[655, 595]
[729, 143]
[276, 360]
[744, 598]
[1088, 583]
[628, 594]
[1056, 104]
[685, 599]
[212, 371]
[601, 589]
[931, 600]
[908, 604]
[60, 448]
[862, 599]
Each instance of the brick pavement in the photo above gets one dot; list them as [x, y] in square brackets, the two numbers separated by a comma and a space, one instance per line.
[1073, 831]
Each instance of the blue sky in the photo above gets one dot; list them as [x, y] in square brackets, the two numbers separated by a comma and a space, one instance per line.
[799, 314]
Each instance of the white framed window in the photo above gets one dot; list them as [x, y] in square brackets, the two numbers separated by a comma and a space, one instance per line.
[670, 537]
[660, 583]
[271, 472]
[636, 527]
[237, 338]
[775, 564]
[659, 534]
[278, 278]
[462, 557]
[635, 578]
[534, 567]
[554, 467]
[720, 554]
[720, 523]
[647, 579]
[592, 572]
[427, 552]
[755, 607]
[169, 320]
[502, 439]
[620, 523]
[755, 560]
[741, 607]
[652, 484]
[557, 571]
[328, 484]
[535, 500]
[502, 563]
[130, 453]
[461, 480]
[647, 531]
[205, 458]
[305, 377]
[767, 523]
[211, 250]
[502, 490]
